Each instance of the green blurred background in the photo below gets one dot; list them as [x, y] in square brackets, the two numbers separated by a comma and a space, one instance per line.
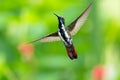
[97, 43]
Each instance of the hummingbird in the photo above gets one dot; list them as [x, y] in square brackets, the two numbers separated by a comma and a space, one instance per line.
[64, 33]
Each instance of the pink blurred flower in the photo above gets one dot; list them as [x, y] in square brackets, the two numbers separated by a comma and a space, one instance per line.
[26, 48]
[26, 51]
[98, 72]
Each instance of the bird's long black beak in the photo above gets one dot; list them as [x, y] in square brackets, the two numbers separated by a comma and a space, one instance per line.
[56, 15]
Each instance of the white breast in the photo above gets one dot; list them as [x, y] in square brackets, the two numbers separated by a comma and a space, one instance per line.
[67, 37]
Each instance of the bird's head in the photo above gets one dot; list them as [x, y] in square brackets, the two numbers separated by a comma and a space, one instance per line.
[60, 20]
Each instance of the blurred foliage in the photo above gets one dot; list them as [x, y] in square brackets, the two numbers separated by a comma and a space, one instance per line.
[97, 43]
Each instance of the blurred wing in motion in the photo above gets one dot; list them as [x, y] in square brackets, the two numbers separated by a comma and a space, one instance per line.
[49, 38]
[73, 27]
[76, 24]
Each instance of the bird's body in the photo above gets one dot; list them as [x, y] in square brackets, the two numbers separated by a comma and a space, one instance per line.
[65, 33]
[65, 36]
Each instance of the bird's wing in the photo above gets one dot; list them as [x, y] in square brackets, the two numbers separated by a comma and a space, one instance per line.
[49, 38]
[77, 23]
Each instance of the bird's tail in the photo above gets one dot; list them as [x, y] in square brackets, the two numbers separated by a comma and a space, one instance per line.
[71, 52]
